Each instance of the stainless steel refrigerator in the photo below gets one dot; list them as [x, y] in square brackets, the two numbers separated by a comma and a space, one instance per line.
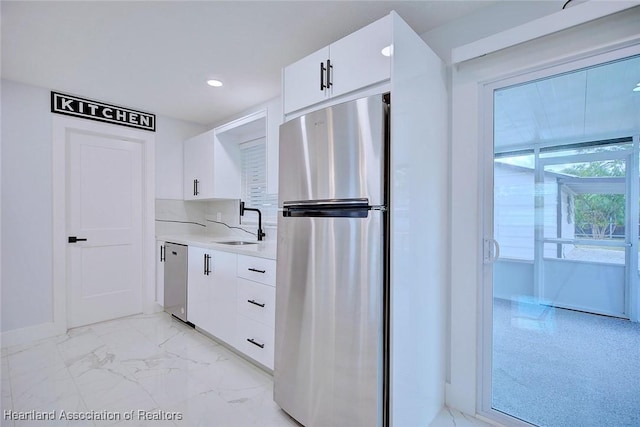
[331, 361]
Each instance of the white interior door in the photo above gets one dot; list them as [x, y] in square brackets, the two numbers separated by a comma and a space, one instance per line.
[104, 206]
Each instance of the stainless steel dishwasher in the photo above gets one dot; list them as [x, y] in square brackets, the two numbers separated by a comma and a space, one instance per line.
[175, 280]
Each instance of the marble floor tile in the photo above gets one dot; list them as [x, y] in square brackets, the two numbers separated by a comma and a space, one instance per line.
[148, 363]
[157, 370]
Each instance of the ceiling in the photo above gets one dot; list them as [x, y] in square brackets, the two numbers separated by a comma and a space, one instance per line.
[155, 56]
[582, 106]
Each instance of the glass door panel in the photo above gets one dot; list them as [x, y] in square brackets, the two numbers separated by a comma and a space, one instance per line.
[562, 224]
[584, 242]
[561, 302]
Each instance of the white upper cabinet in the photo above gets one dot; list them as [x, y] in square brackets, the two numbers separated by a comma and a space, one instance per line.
[211, 168]
[198, 167]
[352, 63]
[359, 59]
[305, 81]
[213, 160]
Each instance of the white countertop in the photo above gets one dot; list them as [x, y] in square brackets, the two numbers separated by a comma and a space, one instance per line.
[264, 249]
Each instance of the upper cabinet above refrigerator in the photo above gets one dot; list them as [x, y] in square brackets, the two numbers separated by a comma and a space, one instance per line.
[356, 61]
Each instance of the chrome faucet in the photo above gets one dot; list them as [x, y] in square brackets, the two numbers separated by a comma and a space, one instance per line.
[242, 209]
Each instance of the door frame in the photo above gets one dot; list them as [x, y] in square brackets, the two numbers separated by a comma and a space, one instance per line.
[60, 126]
[486, 91]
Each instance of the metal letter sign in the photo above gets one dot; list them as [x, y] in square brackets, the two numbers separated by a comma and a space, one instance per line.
[94, 110]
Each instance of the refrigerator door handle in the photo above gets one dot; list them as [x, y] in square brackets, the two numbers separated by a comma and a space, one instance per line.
[326, 203]
[326, 212]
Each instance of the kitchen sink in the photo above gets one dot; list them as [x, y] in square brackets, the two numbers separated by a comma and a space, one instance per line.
[237, 242]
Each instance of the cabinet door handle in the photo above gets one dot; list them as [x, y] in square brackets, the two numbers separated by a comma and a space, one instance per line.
[163, 256]
[256, 270]
[207, 264]
[254, 302]
[255, 342]
[322, 71]
[195, 187]
[329, 68]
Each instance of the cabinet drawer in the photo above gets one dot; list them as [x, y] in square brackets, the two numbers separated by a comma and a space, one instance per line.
[256, 340]
[257, 269]
[257, 301]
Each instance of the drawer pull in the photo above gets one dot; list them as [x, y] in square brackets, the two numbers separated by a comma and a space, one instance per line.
[255, 343]
[256, 303]
[256, 270]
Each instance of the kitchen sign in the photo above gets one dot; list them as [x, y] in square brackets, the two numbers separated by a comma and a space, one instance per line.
[95, 110]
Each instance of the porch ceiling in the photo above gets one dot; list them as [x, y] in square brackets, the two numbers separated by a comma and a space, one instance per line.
[589, 104]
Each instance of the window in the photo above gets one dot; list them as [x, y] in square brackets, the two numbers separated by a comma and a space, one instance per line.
[253, 171]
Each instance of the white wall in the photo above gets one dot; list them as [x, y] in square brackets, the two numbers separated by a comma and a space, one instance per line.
[26, 207]
[27, 284]
[487, 21]
[467, 173]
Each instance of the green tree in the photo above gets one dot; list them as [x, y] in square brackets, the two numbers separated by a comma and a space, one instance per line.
[599, 213]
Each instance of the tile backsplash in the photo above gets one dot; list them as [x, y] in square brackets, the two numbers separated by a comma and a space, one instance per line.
[216, 218]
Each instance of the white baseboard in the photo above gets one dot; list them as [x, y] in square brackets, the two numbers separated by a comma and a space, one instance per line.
[30, 334]
[47, 330]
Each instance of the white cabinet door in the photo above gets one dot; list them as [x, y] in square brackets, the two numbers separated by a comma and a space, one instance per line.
[160, 257]
[357, 60]
[222, 298]
[198, 167]
[257, 301]
[256, 340]
[197, 287]
[302, 81]
[211, 292]
[256, 308]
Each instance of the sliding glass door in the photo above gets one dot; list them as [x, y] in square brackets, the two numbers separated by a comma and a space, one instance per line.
[561, 340]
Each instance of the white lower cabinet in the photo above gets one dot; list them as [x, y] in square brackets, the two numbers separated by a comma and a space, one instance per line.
[257, 301]
[211, 292]
[232, 297]
[256, 340]
[256, 308]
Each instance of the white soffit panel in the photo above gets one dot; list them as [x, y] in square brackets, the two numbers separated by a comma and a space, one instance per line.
[566, 18]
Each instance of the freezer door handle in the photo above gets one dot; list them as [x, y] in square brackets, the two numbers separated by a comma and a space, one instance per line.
[346, 212]
[322, 203]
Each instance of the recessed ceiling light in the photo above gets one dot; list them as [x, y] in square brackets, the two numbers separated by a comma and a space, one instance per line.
[387, 51]
[214, 83]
